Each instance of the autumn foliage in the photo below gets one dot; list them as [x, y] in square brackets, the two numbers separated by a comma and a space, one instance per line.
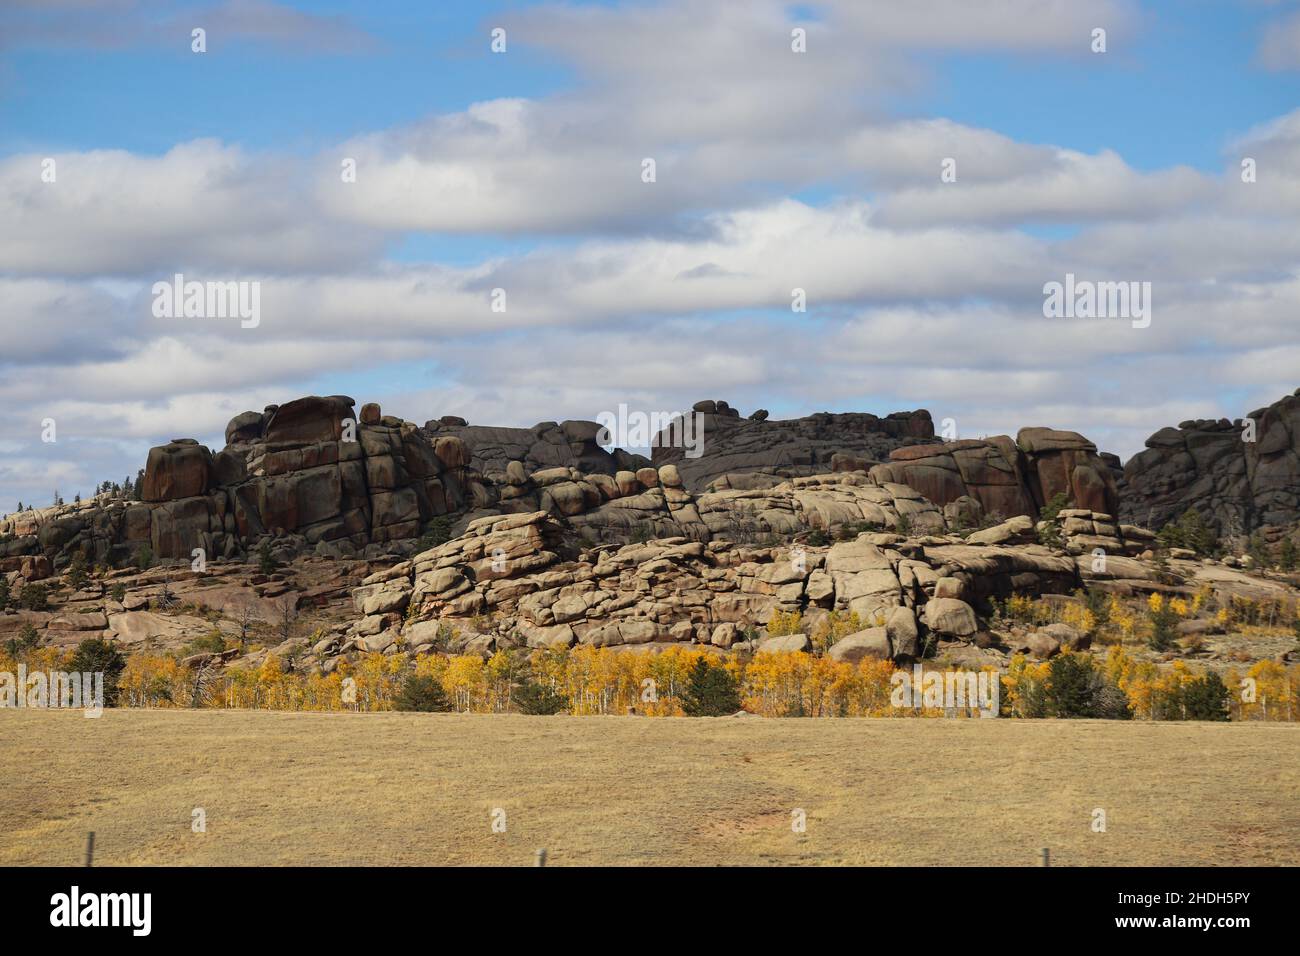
[588, 680]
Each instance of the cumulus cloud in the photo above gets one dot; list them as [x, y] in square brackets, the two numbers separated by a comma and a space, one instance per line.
[919, 293]
[1070, 187]
[200, 205]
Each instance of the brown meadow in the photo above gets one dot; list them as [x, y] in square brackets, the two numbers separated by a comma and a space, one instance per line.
[414, 789]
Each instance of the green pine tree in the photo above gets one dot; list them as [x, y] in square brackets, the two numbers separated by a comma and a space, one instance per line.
[78, 573]
[711, 691]
[422, 692]
[95, 655]
[532, 697]
[437, 532]
[1164, 628]
[265, 561]
[1071, 686]
[1257, 548]
[27, 640]
[1076, 687]
[1206, 698]
[1050, 535]
[34, 597]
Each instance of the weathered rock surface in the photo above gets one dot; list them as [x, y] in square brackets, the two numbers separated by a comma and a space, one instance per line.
[523, 574]
[1007, 478]
[1236, 485]
[314, 477]
[570, 444]
[181, 469]
[306, 470]
[759, 452]
[871, 643]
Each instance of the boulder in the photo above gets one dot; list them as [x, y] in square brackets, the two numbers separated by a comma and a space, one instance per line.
[949, 587]
[902, 632]
[383, 600]
[1017, 530]
[310, 419]
[378, 643]
[1067, 636]
[786, 644]
[724, 635]
[951, 618]
[1042, 646]
[245, 427]
[179, 469]
[872, 642]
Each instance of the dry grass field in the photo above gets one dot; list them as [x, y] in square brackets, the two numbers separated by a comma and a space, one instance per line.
[281, 788]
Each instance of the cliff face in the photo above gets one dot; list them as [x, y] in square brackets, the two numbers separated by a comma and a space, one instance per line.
[992, 476]
[1005, 477]
[1237, 484]
[570, 444]
[316, 476]
[309, 468]
[756, 452]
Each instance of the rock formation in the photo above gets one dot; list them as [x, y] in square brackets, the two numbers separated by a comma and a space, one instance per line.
[314, 477]
[757, 452]
[1008, 477]
[307, 469]
[605, 550]
[1237, 485]
[570, 444]
[996, 476]
[515, 580]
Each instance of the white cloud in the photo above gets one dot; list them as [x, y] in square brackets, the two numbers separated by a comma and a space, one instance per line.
[1072, 187]
[920, 294]
[200, 205]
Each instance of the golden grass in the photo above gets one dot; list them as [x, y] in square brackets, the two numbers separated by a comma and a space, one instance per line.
[298, 788]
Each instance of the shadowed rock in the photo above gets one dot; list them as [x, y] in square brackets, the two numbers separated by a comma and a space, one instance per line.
[1236, 485]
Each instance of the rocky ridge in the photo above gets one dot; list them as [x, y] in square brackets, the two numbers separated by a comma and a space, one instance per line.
[819, 548]
[512, 580]
[1237, 485]
[1001, 477]
[758, 451]
[314, 477]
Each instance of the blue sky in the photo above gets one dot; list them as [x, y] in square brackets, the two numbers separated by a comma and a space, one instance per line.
[425, 58]
[1189, 85]
[520, 170]
[1174, 98]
